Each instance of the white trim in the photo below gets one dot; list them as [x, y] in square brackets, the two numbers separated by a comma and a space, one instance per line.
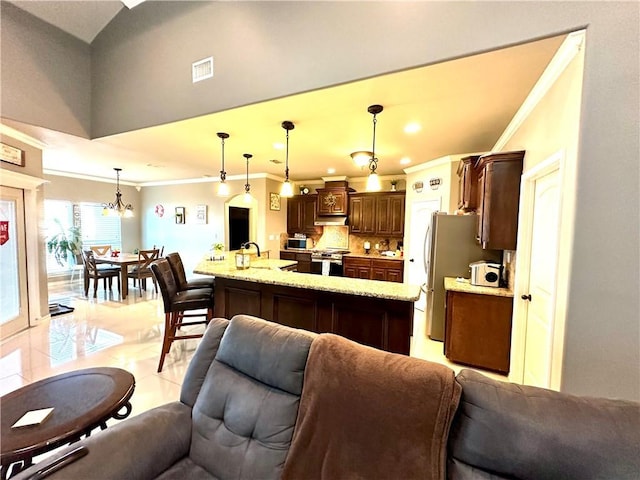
[81, 176]
[555, 161]
[22, 137]
[20, 180]
[30, 187]
[563, 57]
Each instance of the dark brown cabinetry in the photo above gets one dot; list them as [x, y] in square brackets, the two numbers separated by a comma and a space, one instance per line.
[478, 330]
[333, 199]
[498, 199]
[303, 259]
[373, 269]
[362, 214]
[380, 214]
[378, 322]
[468, 183]
[301, 215]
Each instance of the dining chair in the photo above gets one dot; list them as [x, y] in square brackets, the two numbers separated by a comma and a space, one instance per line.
[141, 271]
[177, 267]
[176, 303]
[92, 271]
[161, 248]
[101, 250]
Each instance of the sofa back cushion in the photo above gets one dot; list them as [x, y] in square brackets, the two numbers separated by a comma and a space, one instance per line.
[369, 414]
[504, 430]
[246, 409]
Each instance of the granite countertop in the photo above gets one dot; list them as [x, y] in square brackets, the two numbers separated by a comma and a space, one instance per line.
[451, 283]
[268, 272]
[373, 255]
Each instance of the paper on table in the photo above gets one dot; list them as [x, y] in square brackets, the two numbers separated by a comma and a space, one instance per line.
[33, 417]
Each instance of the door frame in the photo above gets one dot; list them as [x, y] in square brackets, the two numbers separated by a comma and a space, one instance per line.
[555, 161]
[32, 213]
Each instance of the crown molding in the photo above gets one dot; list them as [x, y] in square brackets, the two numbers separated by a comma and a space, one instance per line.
[21, 137]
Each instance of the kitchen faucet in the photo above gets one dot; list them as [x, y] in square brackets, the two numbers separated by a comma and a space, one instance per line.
[246, 245]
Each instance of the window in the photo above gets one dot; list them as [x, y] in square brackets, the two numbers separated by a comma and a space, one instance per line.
[95, 228]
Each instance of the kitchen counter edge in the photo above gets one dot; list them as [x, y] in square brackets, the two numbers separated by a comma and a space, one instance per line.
[451, 283]
[269, 272]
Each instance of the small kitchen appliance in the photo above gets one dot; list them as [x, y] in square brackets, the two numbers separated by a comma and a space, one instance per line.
[298, 243]
[485, 274]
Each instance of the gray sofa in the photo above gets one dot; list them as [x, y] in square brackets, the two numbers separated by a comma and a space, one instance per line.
[263, 401]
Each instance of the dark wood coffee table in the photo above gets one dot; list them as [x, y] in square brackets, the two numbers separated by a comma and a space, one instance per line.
[82, 400]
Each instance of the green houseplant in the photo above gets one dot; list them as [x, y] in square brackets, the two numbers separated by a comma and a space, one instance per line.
[65, 245]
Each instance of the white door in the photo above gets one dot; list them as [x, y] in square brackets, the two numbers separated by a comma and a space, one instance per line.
[536, 296]
[415, 250]
[14, 311]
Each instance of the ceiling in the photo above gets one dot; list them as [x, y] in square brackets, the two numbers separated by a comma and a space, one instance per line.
[461, 106]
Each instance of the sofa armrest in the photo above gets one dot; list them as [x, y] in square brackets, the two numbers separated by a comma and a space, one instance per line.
[140, 447]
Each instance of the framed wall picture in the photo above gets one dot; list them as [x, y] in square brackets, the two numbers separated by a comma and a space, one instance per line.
[274, 203]
[11, 154]
[179, 214]
[201, 214]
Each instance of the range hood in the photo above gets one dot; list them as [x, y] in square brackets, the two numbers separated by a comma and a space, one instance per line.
[330, 221]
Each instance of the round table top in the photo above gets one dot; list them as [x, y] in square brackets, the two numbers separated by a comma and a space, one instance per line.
[81, 400]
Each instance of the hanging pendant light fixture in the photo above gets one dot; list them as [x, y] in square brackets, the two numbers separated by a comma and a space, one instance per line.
[287, 189]
[373, 181]
[223, 188]
[118, 207]
[247, 186]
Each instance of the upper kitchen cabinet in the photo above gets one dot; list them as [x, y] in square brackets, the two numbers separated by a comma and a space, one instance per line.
[301, 215]
[380, 214]
[468, 184]
[498, 199]
[333, 199]
[362, 214]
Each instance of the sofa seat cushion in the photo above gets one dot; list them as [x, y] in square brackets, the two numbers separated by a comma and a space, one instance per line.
[522, 432]
[369, 414]
[186, 469]
[246, 409]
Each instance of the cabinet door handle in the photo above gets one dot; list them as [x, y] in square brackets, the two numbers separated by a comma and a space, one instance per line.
[526, 297]
[411, 260]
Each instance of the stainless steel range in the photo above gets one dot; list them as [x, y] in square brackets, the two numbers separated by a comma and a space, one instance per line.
[327, 262]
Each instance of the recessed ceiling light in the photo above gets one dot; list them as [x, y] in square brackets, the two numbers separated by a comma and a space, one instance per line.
[412, 128]
[405, 160]
[331, 170]
[278, 146]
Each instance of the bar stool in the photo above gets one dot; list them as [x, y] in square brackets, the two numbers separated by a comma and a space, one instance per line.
[176, 303]
[177, 267]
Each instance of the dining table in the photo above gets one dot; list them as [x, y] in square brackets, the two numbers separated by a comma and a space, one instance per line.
[123, 260]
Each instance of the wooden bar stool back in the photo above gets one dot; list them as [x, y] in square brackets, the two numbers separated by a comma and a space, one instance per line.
[176, 303]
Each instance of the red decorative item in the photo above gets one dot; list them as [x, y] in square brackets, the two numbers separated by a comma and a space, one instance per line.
[4, 232]
[159, 210]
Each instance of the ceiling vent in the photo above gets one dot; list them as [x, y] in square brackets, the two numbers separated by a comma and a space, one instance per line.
[202, 69]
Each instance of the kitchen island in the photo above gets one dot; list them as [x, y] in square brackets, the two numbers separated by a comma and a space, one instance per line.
[375, 313]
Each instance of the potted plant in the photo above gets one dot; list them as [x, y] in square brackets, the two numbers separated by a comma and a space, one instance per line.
[65, 245]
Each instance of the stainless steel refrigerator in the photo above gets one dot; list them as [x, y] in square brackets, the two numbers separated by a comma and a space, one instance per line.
[450, 247]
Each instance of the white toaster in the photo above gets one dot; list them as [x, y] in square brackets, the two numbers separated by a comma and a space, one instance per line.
[485, 274]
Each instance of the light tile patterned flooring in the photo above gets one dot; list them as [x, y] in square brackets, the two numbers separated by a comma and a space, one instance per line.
[108, 332]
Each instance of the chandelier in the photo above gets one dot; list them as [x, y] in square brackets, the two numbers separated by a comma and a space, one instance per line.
[247, 186]
[118, 207]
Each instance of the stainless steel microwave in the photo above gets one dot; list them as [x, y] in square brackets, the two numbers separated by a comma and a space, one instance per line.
[298, 243]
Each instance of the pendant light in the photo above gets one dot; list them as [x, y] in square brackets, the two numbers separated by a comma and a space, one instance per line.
[247, 186]
[373, 181]
[118, 207]
[287, 189]
[223, 188]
